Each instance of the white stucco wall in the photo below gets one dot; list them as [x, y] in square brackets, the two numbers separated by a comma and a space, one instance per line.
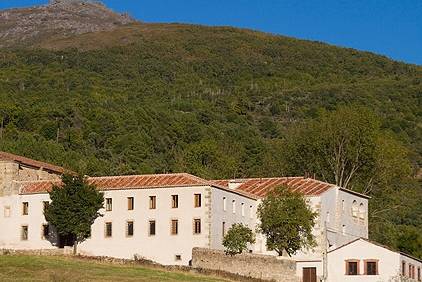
[219, 215]
[163, 247]
[389, 262]
[10, 233]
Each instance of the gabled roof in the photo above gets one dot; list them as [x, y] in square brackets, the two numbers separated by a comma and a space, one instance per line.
[146, 181]
[4, 156]
[376, 244]
[262, 186]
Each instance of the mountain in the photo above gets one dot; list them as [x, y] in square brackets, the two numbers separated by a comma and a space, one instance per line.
[96, 92]
[132, 97]
[20, 27]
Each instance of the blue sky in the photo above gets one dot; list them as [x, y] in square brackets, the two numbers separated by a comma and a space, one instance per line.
[389, 27]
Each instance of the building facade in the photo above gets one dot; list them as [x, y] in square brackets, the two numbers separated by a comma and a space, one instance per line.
[162, 217]
[363, 260]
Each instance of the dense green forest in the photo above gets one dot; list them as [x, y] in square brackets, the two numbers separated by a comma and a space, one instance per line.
[215, 102]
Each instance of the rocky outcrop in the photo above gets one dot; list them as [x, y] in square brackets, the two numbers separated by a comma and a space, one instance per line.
[60, 18]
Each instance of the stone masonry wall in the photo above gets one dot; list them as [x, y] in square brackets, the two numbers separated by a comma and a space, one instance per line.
[263, 267]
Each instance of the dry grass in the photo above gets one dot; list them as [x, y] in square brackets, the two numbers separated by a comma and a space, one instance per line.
[63, 269]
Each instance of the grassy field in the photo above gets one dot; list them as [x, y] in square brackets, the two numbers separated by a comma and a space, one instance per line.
[34, 268]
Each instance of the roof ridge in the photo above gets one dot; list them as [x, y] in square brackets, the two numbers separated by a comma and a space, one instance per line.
[137, 175]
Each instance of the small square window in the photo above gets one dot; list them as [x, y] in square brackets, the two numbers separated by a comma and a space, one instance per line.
[352, 267]
[7, 211]
[197, 226]
[152, 202]
[371, 268]
[129, 229]
[24, 233]
[174, 201]
[25, 208]
[151, 227]
[109, 204]
[108, 229]
[178, 257]
[130, 203]
[174, 227]
[197, 203]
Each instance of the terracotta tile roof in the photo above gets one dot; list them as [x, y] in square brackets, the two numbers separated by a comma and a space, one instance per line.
[131, 182]
[260, 187]
[30, 162]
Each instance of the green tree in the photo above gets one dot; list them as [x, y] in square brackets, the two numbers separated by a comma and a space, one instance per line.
[74, 207]
[237, 239]
[346, 147]
[286, 220]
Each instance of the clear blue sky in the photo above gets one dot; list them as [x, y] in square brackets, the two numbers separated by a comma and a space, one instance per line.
[388, 27]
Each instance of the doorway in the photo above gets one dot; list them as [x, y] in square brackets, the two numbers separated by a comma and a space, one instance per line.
[309, 274]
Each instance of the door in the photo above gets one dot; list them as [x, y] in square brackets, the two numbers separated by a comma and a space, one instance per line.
[309, 274]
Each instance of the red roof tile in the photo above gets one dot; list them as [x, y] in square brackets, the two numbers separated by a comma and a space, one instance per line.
[30, 162]
[262, 186]
[132, 182]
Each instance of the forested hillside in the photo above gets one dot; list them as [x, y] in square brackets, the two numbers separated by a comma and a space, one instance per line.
[215, 102]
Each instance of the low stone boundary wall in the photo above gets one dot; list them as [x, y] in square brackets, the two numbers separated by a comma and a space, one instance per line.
[40, 252]
[263, 267]
[142, 262]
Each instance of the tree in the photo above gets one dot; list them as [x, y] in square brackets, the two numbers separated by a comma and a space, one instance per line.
[237, 238]
[74, 207]
[346, 147]
[286, 221]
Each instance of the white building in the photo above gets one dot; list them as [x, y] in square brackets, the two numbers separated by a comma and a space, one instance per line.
[162, 217]
[362, 260]
[158, 217]
[343, 216]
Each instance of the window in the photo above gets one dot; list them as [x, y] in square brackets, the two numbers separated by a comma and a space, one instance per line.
[361, 212]
[352, 267]
[7, 211]
[45, 231]
[371, 267]
[108, 229]
[355, 209]
[343, 229]
[197, 203]
[25, 208]
[45, 205]
[109, 204]
[223, 231]
[327, 218]
[224, 203]
[174, 227]
[174, 201]
[342, 205]
[24, 232]
[419, 274]
[250, 212]
[178, 257]
[152, 202]
[197, 226]
[151, 227]
[129, 229]
[130, 203]
[234, 206]
[242, 209]
[403, 268]
[410, 271]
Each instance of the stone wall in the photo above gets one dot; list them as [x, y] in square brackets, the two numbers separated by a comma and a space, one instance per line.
[40, 252]
[263, 267]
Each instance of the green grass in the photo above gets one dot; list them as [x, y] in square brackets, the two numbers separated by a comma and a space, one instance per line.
[34, 268]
